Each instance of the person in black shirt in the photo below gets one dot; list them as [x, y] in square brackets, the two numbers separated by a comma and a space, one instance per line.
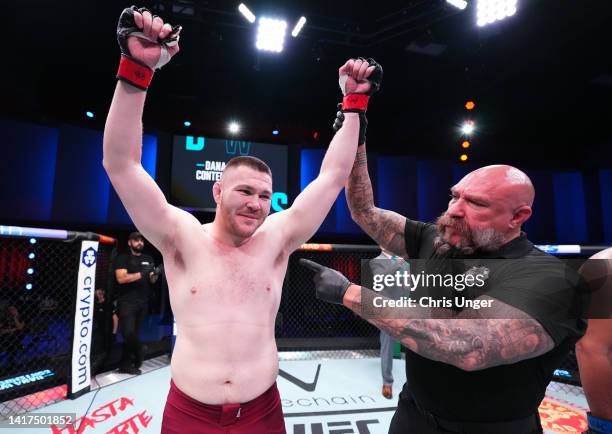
[470, 371]
[134, 272]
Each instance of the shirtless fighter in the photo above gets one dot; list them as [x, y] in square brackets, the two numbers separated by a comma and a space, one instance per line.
[225, 277]
[594, 350]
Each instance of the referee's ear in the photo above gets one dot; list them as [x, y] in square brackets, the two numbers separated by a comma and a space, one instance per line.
[520, 216]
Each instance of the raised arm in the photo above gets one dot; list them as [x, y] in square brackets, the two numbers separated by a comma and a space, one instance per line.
[154, 44]
[385, 227]
[358, 79]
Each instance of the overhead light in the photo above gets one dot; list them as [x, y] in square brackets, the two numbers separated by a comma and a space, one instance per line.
[465, 144]
[246, 12]
[463, 157]
[187, 123]
[233, 127]
[468, 127]
[275, 132]
[489, 11]
[298, 26]
[459, 4]
[271, 34]
[470, 105]
[89, 114]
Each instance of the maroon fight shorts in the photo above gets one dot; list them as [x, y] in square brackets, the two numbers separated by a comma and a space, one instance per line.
[185, 415]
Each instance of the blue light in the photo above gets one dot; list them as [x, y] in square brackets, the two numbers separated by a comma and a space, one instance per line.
[29, 286]
[31, 256]
[275, 132]
[32, 240]
[562, 373]
[89, 114]
[30, 271]
[187, 123]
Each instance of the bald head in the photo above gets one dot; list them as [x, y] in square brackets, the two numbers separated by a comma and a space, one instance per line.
[603, 254]
[487, 209]
[504, 182]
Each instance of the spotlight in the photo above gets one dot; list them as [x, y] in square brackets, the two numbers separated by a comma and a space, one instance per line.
[465, 144]
[31, 256]
[298, 26]
[468, 127]
[275, 132]
[32, 240]
[470, 105]
[489, 11]
[246, 12]
[30, 271]
[187, 123]
[459, 4]
[29, 286]
[89, 114]
[463, 157]
[315, 135]
[233, 127]
[271, 34]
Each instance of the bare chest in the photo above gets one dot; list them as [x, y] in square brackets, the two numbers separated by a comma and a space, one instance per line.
[209, 280]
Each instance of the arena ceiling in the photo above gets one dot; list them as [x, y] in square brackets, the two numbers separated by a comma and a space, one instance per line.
[541, 80]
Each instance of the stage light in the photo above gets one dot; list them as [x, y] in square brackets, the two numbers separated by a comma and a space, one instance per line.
[275, 132]
[246, 12]
[31, 256]
[489, 11]
[463, 157]
[298, 26]
[32, 240]
[470, 105]
[29, 286]
[459, 4]
[233, 127]
[89, 114]
[30, 271]
[468, 127]
[187, 123]
[271, 34]
[465, 144]
[315, 135]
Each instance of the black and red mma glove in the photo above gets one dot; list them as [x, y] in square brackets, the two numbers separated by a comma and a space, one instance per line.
[358, 79]
[142, 49]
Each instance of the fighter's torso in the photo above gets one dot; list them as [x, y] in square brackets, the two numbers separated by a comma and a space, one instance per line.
[225, 301]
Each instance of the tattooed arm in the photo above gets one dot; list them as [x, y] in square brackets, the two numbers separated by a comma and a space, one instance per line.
[468, 340]
[385, 227]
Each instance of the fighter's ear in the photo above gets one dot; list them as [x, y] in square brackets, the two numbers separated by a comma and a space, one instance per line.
[217, 192]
